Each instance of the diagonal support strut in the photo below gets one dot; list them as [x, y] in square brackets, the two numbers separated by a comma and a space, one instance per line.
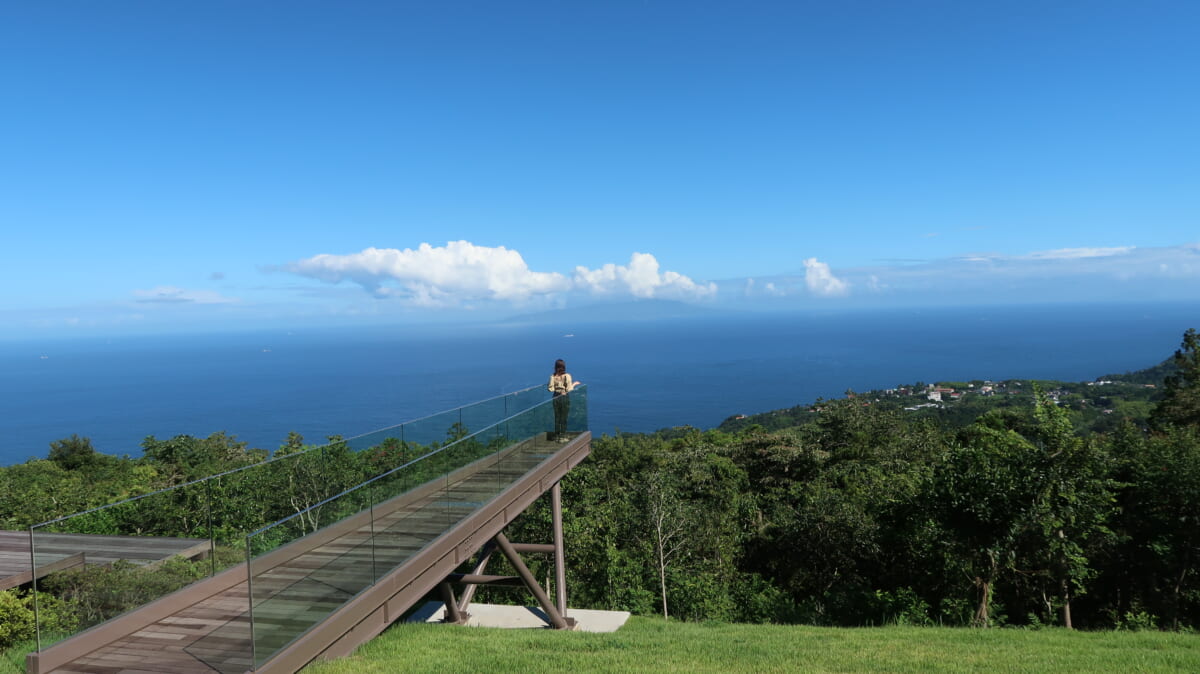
[557, 621]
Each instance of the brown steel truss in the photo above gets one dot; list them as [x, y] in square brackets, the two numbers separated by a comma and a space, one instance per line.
[456, 610]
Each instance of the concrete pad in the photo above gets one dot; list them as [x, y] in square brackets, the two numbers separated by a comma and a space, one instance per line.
[522, 617]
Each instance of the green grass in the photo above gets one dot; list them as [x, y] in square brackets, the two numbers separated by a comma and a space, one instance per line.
[650, 645]
[12, 660]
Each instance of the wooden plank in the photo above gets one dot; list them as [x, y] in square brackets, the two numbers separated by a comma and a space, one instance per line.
[42, 571]
[15, 555]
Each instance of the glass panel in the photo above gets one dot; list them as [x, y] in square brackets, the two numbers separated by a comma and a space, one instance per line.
[401, 524]
[320, 533]
[577, 420]
[431, 429]
[107, 561]
[305, 567]
[520, 401]
[482, 415]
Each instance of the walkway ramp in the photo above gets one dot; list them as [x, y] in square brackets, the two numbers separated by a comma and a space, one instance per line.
[322, 581]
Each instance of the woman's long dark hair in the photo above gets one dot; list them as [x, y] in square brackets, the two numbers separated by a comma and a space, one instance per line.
[560, 366]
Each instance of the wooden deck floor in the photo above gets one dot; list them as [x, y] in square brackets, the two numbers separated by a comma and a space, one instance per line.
[58, 551]
[214, 634]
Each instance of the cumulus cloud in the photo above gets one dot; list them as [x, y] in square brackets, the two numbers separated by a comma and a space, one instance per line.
[640, 278]
[176, 295]
[821, 281]
[428, 275]
[461, 272]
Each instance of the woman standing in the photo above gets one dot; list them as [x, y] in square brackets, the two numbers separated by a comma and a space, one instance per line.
[560, 385]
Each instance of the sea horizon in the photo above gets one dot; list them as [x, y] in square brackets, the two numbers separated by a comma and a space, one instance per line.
[643, 374]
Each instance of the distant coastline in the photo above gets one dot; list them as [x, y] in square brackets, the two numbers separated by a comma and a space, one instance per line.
[643, 374]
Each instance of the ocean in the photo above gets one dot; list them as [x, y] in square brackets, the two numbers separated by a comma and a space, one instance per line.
[642, 375]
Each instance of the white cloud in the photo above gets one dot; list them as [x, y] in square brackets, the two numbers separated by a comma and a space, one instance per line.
[1070, 274]
[432, 275]
[176, 295]
[640, 278]
[821, 281]
[461, 272]
[1077, 253]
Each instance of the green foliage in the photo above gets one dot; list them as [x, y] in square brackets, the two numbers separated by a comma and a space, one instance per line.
[1180, 405]
[97, 593]
[18, 622]
[184, 457]
[902, 607]
[75, 453]
[865, 515]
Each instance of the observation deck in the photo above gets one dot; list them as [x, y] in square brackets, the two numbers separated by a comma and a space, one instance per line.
[306, 559]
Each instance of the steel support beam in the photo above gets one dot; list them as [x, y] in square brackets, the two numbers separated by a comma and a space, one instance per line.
[453, 615]
[557, 621]
[485, 555]
[478, 579]
[533, 548]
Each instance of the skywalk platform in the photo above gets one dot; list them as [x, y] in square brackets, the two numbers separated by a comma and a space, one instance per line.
[322, 595]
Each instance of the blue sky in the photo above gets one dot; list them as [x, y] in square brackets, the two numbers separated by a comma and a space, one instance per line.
[172, 166]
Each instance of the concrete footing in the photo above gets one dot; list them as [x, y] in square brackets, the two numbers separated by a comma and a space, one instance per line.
[523, 617]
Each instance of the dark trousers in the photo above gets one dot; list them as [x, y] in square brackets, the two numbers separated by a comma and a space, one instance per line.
[562, 407]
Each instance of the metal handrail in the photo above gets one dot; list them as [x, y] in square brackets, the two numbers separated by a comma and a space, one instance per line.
[271, 460]
[397, 468]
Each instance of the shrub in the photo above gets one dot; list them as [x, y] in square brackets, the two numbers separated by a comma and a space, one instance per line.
[18, 622]
[97, 593]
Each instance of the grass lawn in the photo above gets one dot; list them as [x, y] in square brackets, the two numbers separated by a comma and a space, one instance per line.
[651, 645]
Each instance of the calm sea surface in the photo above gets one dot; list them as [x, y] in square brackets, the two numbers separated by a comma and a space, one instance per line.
[642, 375]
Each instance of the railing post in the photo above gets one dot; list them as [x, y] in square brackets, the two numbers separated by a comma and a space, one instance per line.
[37, 616]
[250, 607]
[560, 565]
[374, 568]
[212, 537]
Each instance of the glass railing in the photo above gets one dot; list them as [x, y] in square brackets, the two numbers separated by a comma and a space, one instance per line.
[305, 567]
[110, 560]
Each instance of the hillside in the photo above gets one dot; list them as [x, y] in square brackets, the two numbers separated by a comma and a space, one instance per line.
[1096, 406]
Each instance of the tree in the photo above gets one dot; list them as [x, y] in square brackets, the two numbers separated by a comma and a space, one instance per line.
[1073, 499]
[981, 498]
[1159, 570]
[74, 453]
[185, 457]
[670, 520]
[1180, 405]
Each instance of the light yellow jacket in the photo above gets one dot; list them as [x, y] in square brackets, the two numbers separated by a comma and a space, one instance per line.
[560, 384]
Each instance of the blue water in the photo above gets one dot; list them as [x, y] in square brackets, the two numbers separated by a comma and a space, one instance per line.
[642, 375]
